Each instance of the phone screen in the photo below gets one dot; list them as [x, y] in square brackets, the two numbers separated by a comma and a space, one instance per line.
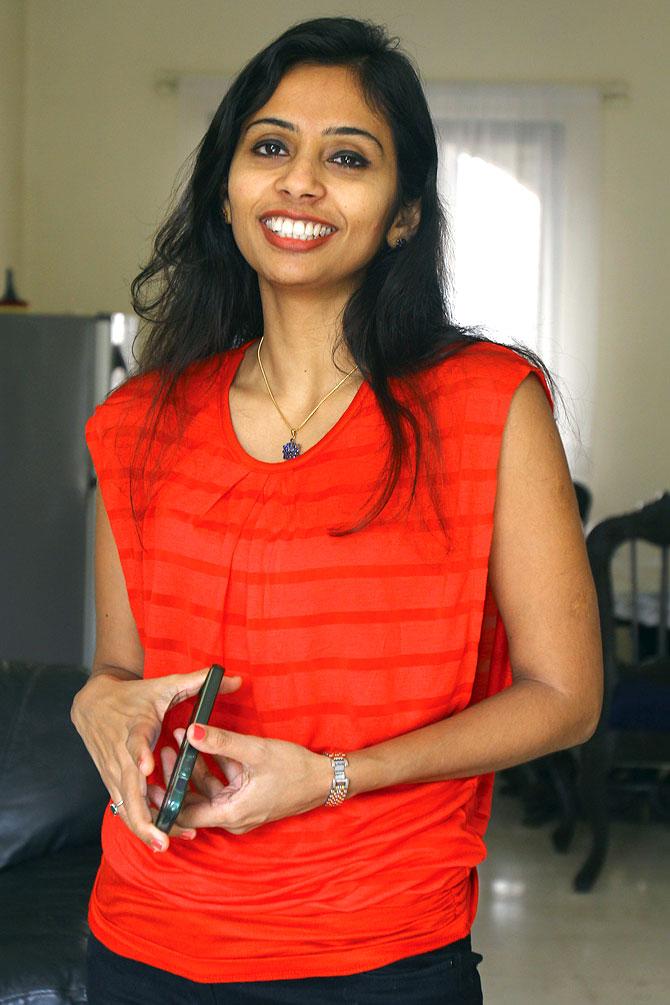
[181, 773]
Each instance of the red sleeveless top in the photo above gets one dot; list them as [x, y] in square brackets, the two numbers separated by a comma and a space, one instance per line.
[341, 642]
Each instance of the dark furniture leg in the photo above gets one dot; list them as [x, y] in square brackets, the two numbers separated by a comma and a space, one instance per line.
[595, 763]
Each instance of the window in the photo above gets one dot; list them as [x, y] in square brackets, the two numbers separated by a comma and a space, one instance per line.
[519, 176]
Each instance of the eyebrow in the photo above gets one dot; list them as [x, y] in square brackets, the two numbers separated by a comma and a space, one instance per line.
[330, 131]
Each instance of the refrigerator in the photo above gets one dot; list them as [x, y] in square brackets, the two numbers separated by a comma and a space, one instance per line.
[54, 369]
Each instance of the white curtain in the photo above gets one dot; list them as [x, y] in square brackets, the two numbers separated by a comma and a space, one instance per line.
[520, 177]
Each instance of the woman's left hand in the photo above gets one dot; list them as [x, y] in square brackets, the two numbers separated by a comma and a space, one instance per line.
[267, 780]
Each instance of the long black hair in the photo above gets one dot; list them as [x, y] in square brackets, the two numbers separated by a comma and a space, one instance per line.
[198, 296]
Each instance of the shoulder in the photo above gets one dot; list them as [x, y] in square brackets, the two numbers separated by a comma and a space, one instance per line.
[130, 428]
[486, 373]
[127, 407]
[127, 402]
[483, 363]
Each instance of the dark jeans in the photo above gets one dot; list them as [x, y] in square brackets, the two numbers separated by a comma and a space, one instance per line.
[445, 976]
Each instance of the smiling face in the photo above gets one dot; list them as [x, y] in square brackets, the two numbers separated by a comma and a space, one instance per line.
[297, 173]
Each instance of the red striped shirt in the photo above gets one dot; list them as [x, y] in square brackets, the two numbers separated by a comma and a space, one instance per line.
[341, 642]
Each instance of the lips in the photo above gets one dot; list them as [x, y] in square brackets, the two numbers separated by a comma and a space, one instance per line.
[293, 243]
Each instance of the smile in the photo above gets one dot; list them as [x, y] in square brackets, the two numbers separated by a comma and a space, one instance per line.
[304, 230]
[295, 235]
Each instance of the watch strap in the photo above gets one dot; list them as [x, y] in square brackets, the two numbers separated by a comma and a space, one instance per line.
[339, 786]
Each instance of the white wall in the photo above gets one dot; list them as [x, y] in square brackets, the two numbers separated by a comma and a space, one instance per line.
[99, 157]
[12, 51]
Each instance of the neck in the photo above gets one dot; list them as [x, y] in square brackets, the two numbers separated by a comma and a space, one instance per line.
[300, 333]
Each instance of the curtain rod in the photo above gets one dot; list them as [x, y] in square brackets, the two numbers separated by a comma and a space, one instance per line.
[610, 90]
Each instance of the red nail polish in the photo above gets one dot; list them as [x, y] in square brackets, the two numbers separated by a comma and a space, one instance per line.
[156, 845]
[198, 732]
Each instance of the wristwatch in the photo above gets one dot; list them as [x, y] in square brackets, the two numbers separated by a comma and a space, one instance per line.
[340, 783]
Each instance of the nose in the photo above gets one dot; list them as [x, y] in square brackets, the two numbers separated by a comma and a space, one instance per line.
[300, 178]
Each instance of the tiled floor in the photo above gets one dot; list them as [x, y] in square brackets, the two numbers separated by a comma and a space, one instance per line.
[544, 943]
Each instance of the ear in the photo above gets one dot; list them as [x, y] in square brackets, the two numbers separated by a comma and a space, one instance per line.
[226, 209]
[406, 223]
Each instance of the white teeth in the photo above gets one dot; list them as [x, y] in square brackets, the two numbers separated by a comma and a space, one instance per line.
[303, 230]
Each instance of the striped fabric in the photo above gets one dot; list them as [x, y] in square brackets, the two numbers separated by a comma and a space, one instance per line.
[341, 642]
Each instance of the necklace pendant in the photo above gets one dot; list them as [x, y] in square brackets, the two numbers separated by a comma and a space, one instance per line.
[290, 449]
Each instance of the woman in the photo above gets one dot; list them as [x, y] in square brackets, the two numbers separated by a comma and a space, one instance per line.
[364, 512]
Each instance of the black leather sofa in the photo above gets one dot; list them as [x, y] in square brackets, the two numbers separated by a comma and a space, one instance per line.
[51, 806]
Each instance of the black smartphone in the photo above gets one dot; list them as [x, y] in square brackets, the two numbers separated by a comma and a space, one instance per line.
[181, 773]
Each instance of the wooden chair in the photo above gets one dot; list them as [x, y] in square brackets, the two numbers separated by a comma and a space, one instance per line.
[630, 749]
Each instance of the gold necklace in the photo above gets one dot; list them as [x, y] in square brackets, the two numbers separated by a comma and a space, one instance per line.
[292, 449]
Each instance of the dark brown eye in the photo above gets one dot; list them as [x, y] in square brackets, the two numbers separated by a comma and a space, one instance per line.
[267, 143]
[362, 162]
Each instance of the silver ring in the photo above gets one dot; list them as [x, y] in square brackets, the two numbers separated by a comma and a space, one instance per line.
[114, 807]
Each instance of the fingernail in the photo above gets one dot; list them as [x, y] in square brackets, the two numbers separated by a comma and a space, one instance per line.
[156, 845]
[198, 732]
[188, 835]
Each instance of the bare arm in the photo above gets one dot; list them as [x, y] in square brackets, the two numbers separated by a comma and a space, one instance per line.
[117, 713]
[118, 651]
[543, 586]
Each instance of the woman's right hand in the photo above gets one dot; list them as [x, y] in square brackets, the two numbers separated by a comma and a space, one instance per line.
[120, 721]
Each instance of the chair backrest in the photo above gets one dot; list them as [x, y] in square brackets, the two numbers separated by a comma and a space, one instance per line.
[650, 523]
[51, 794]
[584, 500]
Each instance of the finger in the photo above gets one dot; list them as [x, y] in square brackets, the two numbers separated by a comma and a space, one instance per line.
[156, 795]
[233, 770]
[230, 684]
[138, 815]
[201, 777]
[168, 761]
[212, 740]
[141, 741]
[119, 800]
[154, 842]
[176, 687]
[230, 767]
[176, 831]
[198, 811]
[204, 781]
[168, 691]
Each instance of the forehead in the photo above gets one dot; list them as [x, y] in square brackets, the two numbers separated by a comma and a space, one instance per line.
[320, 96]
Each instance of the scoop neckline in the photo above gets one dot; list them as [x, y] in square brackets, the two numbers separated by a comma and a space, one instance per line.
[301, 459]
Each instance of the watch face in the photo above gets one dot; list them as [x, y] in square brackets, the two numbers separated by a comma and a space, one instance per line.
[339, 765]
